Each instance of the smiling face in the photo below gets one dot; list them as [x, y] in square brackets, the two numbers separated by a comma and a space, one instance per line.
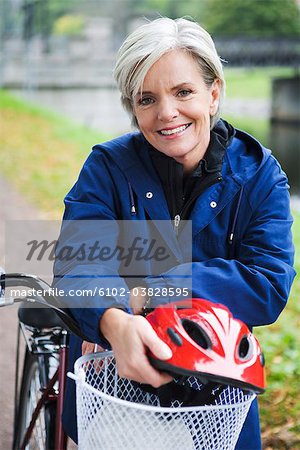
[173, 109]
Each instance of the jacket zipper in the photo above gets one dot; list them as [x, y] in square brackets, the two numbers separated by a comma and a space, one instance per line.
[177, 219]
[180, 216]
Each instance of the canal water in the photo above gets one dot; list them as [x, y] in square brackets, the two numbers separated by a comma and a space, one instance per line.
[285, 143]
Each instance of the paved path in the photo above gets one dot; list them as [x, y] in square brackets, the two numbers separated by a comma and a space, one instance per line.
[12, 207]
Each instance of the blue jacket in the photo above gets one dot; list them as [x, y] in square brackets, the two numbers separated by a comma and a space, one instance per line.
[242, 250]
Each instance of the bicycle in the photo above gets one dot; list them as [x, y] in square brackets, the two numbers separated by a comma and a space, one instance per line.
[39, 396]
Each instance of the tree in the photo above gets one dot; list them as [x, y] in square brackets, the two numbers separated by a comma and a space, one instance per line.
[259, 18]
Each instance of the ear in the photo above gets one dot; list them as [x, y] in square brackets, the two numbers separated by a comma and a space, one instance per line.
[215, 90]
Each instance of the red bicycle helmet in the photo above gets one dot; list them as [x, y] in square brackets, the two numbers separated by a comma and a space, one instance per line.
[209, 343]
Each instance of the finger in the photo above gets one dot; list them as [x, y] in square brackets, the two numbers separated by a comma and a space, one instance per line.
[148, 374]
[84, 347]
[141, 371]
[135, 365]
[137, 310]
[159, 348]
[87, 347]
[137, 300]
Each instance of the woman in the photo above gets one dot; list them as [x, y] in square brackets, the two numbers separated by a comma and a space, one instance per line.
[184, 163]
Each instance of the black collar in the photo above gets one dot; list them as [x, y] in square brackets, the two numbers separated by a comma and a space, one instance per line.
[178, 189]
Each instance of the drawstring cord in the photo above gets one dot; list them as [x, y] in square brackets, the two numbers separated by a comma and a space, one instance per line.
[231, 234]
[132, 204]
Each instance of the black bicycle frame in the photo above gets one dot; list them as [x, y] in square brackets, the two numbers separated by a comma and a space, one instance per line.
[49, 393]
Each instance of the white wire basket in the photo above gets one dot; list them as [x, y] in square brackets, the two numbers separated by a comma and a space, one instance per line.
[114, 414]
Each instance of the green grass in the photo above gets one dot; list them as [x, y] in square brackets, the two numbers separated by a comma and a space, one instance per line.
[280, 406]
[42, 152]
[260, 129]
[253, 83]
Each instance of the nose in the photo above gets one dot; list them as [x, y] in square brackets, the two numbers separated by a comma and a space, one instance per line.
[167, 110]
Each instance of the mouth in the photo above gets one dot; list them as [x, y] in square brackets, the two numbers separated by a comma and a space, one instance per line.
[172, 131]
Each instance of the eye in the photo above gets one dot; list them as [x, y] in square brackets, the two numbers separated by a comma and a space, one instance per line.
[145, 101]
[184, 92]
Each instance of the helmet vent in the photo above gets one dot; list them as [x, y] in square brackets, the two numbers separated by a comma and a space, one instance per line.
[244, 348]
[197, 333]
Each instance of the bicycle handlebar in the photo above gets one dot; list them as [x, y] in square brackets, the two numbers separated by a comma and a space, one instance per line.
[48, 299]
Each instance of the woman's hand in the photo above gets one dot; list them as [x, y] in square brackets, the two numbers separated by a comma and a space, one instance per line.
[137, 301]
[130, 337]
[89, 347]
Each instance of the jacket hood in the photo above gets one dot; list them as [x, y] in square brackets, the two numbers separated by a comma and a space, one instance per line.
[223, 132]
[245, 156]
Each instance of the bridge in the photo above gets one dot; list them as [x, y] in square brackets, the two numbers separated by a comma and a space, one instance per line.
[80, 63]
[259, 52]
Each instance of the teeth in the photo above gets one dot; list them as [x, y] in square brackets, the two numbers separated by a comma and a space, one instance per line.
[175, 130]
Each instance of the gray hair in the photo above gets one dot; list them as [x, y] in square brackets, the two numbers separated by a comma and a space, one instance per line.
[149, 42]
